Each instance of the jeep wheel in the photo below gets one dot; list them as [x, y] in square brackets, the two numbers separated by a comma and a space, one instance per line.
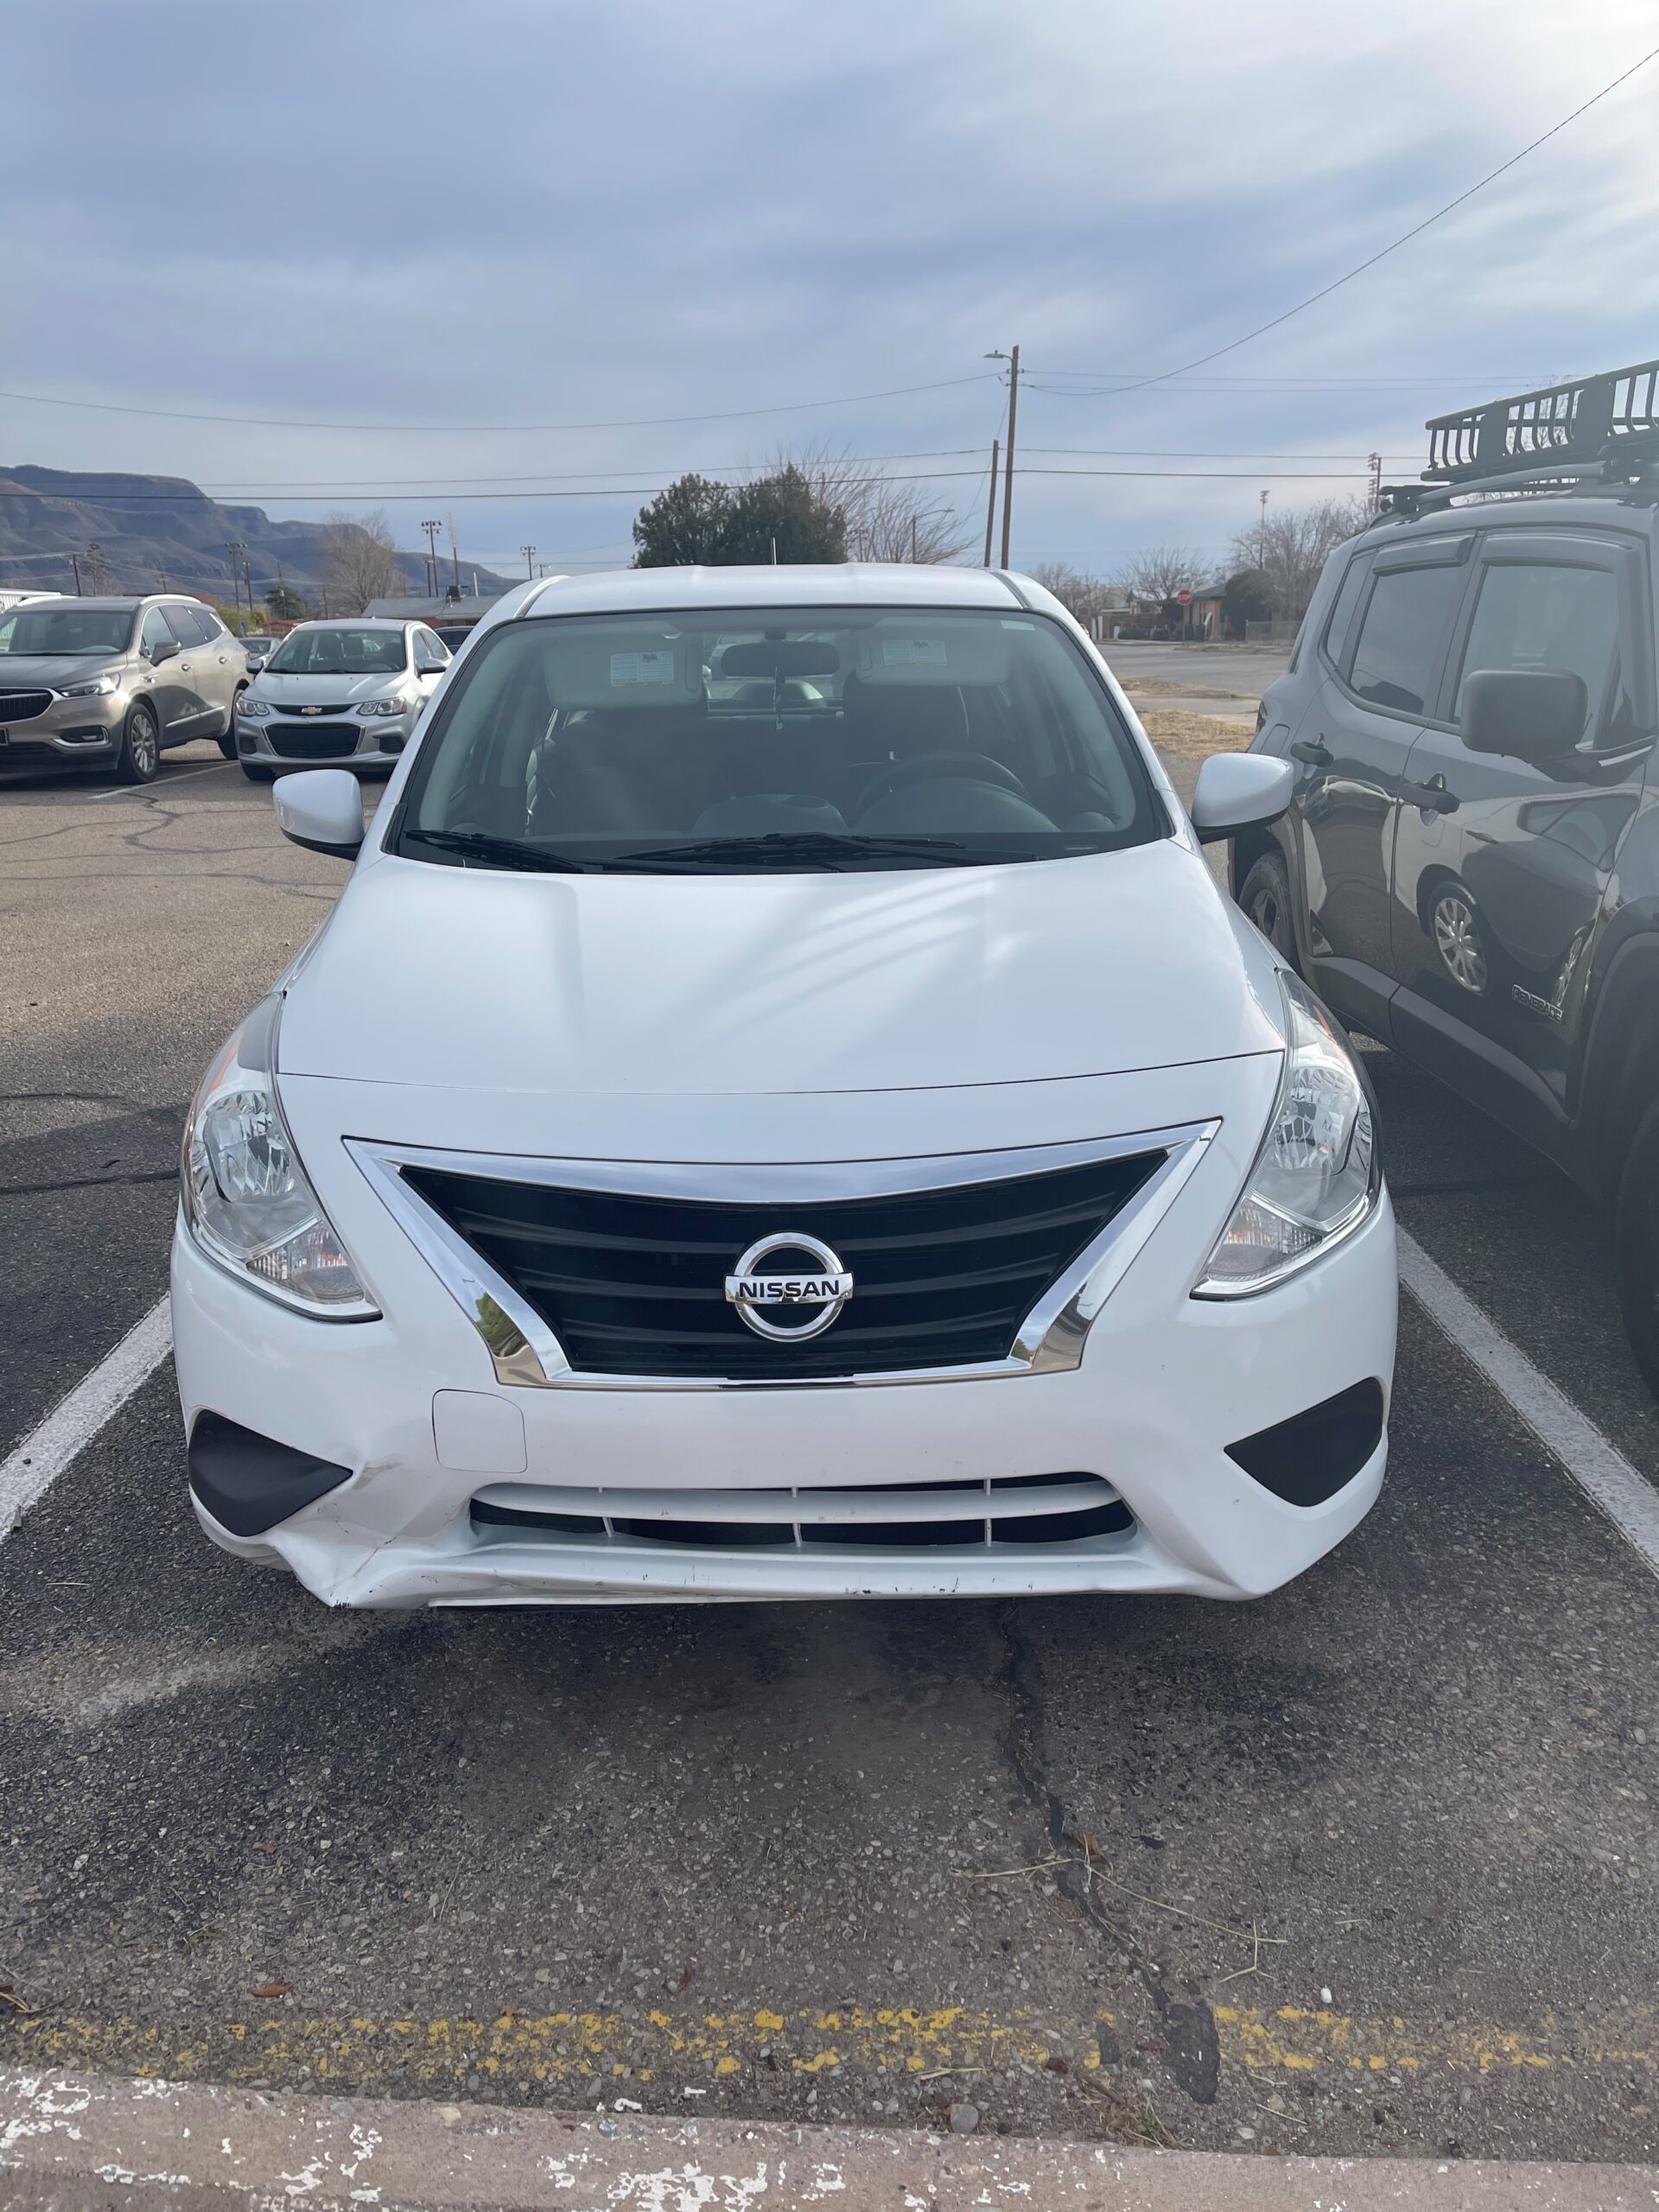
[140, 752]
[1638, 1229]
[1265, 897]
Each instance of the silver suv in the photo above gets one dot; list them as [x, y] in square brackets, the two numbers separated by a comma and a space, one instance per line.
[110, 684]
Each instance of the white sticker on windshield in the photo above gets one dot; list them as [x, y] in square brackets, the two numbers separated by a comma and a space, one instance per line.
[912, 652]
[641, 668]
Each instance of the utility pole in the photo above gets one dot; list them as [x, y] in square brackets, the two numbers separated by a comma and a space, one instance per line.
[160, 579]
[432, 529]
[528, 552]
[914, 555]
[1376, 482]
[1261, 533]
[454, 556]
[990, 504]
[235, 547]
[74, 563]
[1012, 360]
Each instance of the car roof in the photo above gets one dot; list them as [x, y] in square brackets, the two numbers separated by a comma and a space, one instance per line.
[358, 622]
[844, 583]
[124, 601]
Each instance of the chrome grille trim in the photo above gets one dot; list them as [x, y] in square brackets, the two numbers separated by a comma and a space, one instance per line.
[526, 1354]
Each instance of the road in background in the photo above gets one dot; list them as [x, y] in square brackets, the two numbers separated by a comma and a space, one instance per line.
[1371, 1863]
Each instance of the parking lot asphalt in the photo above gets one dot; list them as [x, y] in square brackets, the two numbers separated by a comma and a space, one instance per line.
[1368, 1867]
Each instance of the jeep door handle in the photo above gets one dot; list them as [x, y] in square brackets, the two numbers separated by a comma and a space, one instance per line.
[1314, 751]
[1432, 797]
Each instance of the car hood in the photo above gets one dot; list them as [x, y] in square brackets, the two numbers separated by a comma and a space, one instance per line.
[443, 978]
[28, 671]
[303, 690]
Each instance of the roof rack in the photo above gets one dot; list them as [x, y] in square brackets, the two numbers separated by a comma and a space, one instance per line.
[1603, 427]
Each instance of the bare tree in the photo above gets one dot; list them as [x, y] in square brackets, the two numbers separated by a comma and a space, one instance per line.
[1083, 595]
[887, 519]
[1290, 549]
[359, 560]
[1158, 572]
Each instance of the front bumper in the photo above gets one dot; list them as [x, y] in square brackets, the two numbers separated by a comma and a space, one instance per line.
[378, 742]
[412, 1404]
[68, 730]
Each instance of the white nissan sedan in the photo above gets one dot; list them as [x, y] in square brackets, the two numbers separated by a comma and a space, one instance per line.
[350, 691]
[783, 1108]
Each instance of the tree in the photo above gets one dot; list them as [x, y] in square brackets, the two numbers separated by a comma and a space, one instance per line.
[683, 525]
[1158, 572]
[887, 519]
[1245, 598]
[360, 560]
[1082, 595]
[778, 517]
[287, 604]
[1290, 549]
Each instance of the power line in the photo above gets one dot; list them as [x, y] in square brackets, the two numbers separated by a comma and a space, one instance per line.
[494, 429]
[1405, 237]
[359, 487]
[650, 490]
[1402, 380]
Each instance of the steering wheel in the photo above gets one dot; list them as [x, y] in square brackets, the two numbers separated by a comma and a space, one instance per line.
[930, 767]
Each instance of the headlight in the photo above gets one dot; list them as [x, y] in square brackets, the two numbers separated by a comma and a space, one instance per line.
[246, 1199]
[255, 709]
[1316, 1177]
[100, 687]
[383, 706]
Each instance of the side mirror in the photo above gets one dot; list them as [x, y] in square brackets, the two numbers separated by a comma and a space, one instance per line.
[1240, 790]
[256, 662]
[1531, 713]
[321, 810]
[163, 649]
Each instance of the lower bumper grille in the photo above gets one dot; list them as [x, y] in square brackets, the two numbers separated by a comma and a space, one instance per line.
[1014, 1509]
[300, 742]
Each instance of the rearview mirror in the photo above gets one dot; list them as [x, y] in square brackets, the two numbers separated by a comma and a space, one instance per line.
[321, 810]
[1530, 714]
[1240, 790]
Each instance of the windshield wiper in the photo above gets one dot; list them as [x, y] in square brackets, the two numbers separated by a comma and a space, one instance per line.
[495, 852]
[828, 849]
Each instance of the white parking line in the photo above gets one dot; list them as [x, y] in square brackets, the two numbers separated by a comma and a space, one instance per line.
[142, 791]
[73, 1423]
[1601, 1469]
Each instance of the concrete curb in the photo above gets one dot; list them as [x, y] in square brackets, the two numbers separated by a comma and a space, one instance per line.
[87, 2143]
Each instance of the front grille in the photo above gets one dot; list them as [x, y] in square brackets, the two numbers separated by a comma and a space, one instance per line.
[635, 1285]
[302, 741]
[884, 1517]
[23, 706]
[311, 710]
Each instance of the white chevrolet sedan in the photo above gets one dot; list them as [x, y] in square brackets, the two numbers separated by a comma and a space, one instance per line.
[783, 1108]
[350, 691]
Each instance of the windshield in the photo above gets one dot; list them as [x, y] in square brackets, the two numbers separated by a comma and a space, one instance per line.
[340, 650]
[801, 739]
[53, 630]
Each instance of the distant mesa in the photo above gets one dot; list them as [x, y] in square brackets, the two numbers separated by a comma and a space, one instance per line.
[148, 527]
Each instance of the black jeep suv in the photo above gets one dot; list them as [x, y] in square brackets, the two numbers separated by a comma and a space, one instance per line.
[1470, 867]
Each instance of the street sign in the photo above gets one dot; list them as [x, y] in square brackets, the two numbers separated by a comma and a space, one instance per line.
[1183, 599]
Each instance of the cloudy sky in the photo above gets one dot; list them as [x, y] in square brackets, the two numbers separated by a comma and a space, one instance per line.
[446, 242]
